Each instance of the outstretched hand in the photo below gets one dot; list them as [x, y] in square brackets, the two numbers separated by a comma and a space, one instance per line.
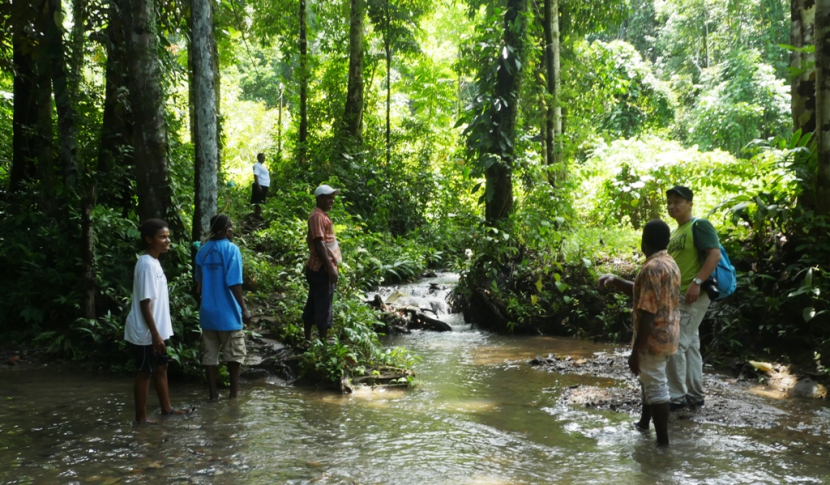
[606, 280]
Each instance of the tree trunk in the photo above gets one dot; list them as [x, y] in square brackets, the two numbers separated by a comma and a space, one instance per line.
[499, 175]
[43, 103]
[80, 14]
[24, 139]
[557, 109]
[387, 46]
[204, 116]
[303, 84]
[155, 197]
[822, 39]
[553, 113]
[63, 97]
[353, 116]
[115, 153]
[803, 88]
[87, 248]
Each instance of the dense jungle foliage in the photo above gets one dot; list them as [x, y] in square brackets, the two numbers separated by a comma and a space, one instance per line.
[523, 143]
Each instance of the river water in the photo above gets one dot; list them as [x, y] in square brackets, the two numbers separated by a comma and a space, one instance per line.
[479, 415]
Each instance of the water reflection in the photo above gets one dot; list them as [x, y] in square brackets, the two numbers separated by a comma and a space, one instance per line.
[479, 415]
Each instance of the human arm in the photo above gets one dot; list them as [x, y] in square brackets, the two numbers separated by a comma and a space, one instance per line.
[644, 328]
[147, 313]
[237, 293]
[620, 284]
[322, 253]
[233, 279]
[709, 265]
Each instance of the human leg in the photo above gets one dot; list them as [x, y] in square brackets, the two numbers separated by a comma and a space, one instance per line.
[211, 343]
[654, 383]
[162, 391]
[143, 362]
[308, 312]
[660, 413]
[141, 389]
[234, 369]
[234, 352]
[677, 363]
[694, 359]
[318, 309]
[212, 374]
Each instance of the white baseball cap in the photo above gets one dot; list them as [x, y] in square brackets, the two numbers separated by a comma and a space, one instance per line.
[325, 190]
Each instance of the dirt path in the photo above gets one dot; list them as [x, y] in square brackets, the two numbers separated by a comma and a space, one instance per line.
[728, 400]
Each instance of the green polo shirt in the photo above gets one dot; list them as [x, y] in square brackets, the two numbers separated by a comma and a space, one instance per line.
[688, 253]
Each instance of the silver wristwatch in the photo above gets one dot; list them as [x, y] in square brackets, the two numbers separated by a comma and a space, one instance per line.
[697, 281]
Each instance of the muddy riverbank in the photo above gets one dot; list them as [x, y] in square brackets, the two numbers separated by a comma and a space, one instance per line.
[730, 401]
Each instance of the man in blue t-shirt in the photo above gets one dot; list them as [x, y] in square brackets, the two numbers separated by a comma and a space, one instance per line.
[223, 310]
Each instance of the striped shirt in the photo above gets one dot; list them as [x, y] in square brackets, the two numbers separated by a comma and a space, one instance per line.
[320, 226]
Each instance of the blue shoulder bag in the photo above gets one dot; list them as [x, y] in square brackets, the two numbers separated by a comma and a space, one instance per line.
[723, 277]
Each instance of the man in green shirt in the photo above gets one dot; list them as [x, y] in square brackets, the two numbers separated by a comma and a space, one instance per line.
[695, 248]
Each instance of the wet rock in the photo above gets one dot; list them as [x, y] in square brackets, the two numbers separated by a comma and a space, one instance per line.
[807, 387]
[255, 373]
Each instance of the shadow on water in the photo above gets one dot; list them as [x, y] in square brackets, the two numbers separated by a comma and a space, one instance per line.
[479, 415]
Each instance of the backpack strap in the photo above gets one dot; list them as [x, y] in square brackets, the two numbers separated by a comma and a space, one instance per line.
[701, 254]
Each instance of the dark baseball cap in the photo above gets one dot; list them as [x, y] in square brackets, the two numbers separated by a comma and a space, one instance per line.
[681, 191]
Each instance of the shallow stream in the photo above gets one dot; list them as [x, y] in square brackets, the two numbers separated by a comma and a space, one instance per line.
[479, 414]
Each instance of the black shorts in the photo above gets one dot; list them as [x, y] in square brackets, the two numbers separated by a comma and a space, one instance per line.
[146, 360]
[318, 307]
[258, 198]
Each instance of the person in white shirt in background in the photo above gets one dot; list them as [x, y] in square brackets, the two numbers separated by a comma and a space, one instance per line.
[148, 324]
[262, 180]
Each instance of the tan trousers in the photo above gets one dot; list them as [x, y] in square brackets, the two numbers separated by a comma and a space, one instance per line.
[685, 368]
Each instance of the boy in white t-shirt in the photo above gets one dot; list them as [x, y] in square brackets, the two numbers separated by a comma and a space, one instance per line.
[148, 324]
[262, 180]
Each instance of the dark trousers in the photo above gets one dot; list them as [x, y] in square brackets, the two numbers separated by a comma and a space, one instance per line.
[258, 197]
[318, 307]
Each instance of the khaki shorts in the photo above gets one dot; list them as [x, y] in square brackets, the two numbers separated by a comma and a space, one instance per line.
[231, 344]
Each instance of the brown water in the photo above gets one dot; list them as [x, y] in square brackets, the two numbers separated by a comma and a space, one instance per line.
[479, 414]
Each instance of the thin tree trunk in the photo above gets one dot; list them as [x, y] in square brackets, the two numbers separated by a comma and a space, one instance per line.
[155, 195]
[43, 103]
[63, 96]
[80, 14]
[203, 90]
[115, 153]
[353, 115]
[303, 84]
[87, 248]
[803, 88]
[499, 175]
[822, 39]
[550, 77]
[24, 114]
[388, 49]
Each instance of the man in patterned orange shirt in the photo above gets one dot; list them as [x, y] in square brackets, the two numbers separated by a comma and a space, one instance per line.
[321, 267]
[656, 294]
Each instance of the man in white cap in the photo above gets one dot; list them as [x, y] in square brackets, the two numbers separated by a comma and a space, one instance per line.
[321, 267]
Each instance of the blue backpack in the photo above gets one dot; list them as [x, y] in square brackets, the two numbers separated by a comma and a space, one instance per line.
[724, 274]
